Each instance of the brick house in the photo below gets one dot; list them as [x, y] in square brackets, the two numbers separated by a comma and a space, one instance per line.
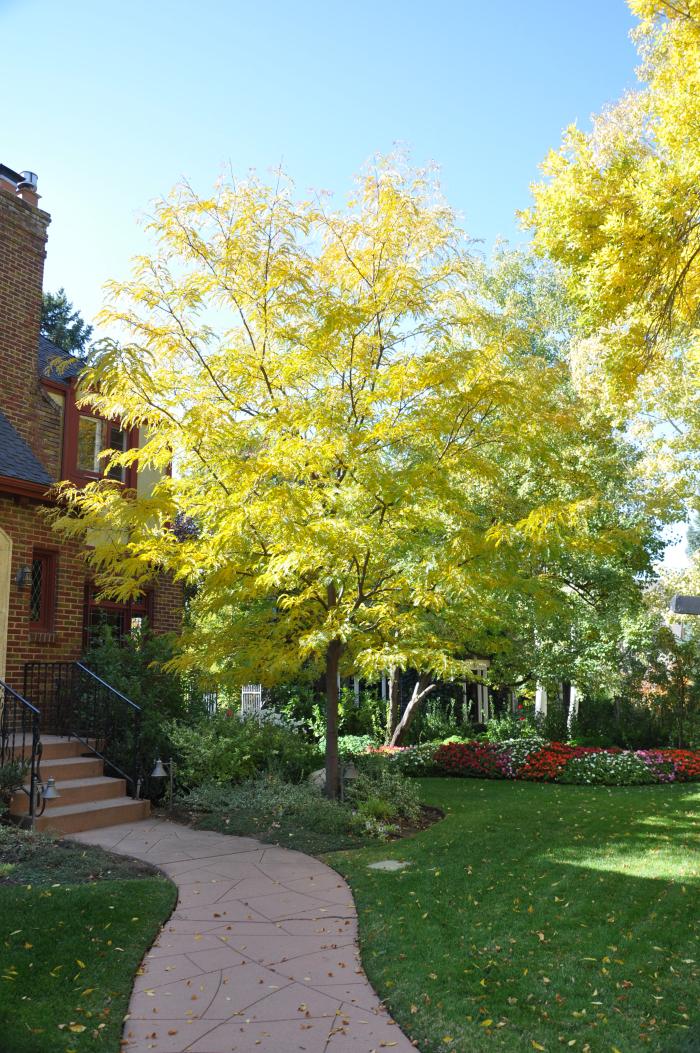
[48, 606]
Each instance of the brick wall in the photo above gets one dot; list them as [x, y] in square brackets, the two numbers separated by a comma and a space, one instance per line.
[25, 523]
[168, 603]
[27, 527]
[23, 233]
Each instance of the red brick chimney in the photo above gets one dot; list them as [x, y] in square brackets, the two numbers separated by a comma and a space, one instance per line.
[23, 234]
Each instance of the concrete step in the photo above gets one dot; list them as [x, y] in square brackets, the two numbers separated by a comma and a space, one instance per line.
[74, 818]
[74, 791]
[54, 747]
[67, 768]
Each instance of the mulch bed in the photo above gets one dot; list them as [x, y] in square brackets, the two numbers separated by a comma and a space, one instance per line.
[429, 816]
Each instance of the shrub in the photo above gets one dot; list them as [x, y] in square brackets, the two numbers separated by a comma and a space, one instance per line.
[437, 717]
[398, 793]
[409, 760]
[351, 745]
[136, 667]
[270, 799]
[373, 801]
[12, 776]
[301, 702]
[620, 722]
[509, 727]
[227, 748]
[375, 808]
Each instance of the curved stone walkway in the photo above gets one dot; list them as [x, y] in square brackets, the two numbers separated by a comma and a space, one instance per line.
[259, 956]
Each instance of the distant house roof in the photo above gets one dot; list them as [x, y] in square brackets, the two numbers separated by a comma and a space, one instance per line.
[56, 364]
[16, 459]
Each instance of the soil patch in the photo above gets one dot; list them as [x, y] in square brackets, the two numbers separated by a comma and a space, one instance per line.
[429, 815]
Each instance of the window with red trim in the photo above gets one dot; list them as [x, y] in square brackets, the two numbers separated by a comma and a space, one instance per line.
[122, 618]
[87, 436]
[42, 591]
[94, 437]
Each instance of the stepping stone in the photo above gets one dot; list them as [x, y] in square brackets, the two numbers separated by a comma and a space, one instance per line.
[388, 864]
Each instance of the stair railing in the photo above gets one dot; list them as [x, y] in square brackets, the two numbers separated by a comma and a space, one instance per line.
[77, 703]
[20, 740]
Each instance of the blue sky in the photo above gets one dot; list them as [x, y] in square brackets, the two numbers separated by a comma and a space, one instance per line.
[112, 103]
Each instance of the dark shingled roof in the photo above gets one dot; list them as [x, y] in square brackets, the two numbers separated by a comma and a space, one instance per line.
[56, 364]
[16, 459]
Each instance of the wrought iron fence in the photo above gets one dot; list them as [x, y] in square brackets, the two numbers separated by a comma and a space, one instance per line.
[20, 739]
[75, 702]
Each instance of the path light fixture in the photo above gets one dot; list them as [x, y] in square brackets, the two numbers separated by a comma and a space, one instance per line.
[348, 773]
[165, 771]
[49, 792]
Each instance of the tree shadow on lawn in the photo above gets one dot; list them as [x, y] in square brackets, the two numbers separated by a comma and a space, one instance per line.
[539, 914]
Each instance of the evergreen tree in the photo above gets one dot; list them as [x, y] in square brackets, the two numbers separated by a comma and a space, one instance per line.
[63, 324]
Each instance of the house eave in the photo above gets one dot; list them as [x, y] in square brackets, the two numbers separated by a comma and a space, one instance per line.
[23, 488]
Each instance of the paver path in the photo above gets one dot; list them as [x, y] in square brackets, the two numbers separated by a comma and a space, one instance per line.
[259, 956]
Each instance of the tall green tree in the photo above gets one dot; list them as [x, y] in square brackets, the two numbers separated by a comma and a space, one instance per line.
[372, 457]
[62, 323]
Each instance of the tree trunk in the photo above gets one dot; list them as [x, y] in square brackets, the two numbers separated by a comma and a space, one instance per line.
[618, 718]
[332, 768]
[421, 689]
[680, 723]
[392, 708]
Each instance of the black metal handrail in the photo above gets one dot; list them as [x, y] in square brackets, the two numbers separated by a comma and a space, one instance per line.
[79, 704]
[20, 738]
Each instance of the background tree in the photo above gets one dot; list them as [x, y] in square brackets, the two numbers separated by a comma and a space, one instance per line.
[63, 324]
[373, 452]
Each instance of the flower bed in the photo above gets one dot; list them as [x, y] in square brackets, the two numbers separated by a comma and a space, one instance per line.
[536, 761]
[478, 760]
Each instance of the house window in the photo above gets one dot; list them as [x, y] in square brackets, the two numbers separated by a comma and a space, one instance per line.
[42, 591]
[121, 618]
[117, 439]
[94, 437]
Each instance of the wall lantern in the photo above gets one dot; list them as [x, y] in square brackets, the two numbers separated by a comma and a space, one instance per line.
[23, 576]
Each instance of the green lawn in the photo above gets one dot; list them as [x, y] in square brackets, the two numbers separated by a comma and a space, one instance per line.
[539, 917]
[69, 952]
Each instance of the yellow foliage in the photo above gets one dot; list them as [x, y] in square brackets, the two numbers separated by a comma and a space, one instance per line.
[619, 210]
[366, 452]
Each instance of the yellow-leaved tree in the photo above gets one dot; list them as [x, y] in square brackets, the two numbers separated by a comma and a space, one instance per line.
[368, 461]
[619, 210]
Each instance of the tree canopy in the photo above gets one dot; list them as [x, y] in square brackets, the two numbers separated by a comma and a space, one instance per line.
[378, 459]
